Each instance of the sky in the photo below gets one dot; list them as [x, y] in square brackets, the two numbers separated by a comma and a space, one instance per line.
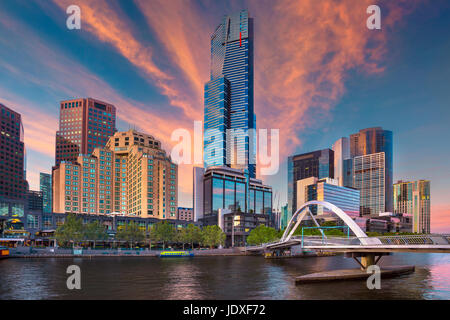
[320, 74]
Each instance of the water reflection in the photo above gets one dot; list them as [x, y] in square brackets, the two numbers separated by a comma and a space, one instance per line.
[216, 278]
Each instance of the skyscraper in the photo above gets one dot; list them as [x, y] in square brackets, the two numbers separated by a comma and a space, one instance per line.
[413, 197]
[318, 164]
[84, 124]
[341, 149]
[45, 186]
[229, 96]
[12, 156]
[367, 142]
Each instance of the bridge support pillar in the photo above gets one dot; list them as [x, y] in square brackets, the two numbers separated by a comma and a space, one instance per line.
[367, 261]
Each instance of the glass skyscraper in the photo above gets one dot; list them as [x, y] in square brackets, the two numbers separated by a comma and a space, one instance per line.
[318, 164]
[229, 96]
[45, 185]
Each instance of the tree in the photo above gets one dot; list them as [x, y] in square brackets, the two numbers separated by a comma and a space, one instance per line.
[183, 236]
[131, 233]
[94, 231]
[213, 236]
[194, 234]
[70, 231]
[262, 234]
[165, 232]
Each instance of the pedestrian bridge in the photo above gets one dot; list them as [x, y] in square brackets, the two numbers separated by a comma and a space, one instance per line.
[358, 245]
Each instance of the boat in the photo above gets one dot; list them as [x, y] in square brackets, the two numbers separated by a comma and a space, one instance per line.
[4, 252]
[175, 254]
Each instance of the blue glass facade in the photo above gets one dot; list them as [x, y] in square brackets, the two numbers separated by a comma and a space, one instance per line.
[229, 96]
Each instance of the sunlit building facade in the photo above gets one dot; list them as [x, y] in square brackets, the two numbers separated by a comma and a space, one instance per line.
[413, 198]
[132, 175]
[84, 124]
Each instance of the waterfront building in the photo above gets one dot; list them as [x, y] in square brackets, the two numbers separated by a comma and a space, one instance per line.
[45, 186]
[341, 149]
[131, 175]
[413, 198]
[35, 200]
[185, 214]
[284, 217]
[229, 96]
[84, 124]
[318, 164]
[328, 190]
[369, 177]
[13, 184]
[370, 168]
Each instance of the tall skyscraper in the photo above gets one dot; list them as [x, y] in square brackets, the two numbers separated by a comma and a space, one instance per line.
[84, 124]
[318, 164]
[45, 186]
[413, 197]
[131, 175]
[229, 96]
[341, 149]
[34, 200]
[12, 156]
[369, 171]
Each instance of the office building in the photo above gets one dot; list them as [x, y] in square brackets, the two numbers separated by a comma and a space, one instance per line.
[413, 198]
[370, 179]
[318, 164]
[45, 186]
[197, 192]
[229, 96]
[366, 148]
[132, 175]
[35, 200]
[328, 190]
[341, 149]
[185, 214]
[84, 124]
[13, 184]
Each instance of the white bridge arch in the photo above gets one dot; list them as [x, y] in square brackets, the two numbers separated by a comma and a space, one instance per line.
[294, 222]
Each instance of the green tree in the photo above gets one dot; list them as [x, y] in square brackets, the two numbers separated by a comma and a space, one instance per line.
[165, 233]
[70, 231]
[262, 234]
[213, 236]
[194, 234]
[94, 231]
[131, 233]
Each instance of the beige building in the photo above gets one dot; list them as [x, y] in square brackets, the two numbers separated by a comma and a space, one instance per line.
[131, 175]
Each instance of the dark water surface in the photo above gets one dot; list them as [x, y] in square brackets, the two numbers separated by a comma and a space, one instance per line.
[233, 277]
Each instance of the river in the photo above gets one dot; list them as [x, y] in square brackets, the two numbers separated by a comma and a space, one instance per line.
[225, 277]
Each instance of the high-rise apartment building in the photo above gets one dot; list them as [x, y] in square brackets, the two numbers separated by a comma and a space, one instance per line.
[132, 175]
[369, 177]
[229, 96]
[413, 197]
[373, 141]
[13, 184]
[319, 164]
[84, 124]
[45, 186]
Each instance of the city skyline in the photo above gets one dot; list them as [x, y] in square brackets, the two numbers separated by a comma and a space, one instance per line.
[386, 93]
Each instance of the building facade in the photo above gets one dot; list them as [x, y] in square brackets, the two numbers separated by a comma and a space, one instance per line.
[341, 149]
[35, 200]
[373, 141]
[413, 198]
[185, 214]
[369, 177]
[84, 124]
[45, 186]
[229, 96]
[318, 164]
[132, 175]
[13, 183]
